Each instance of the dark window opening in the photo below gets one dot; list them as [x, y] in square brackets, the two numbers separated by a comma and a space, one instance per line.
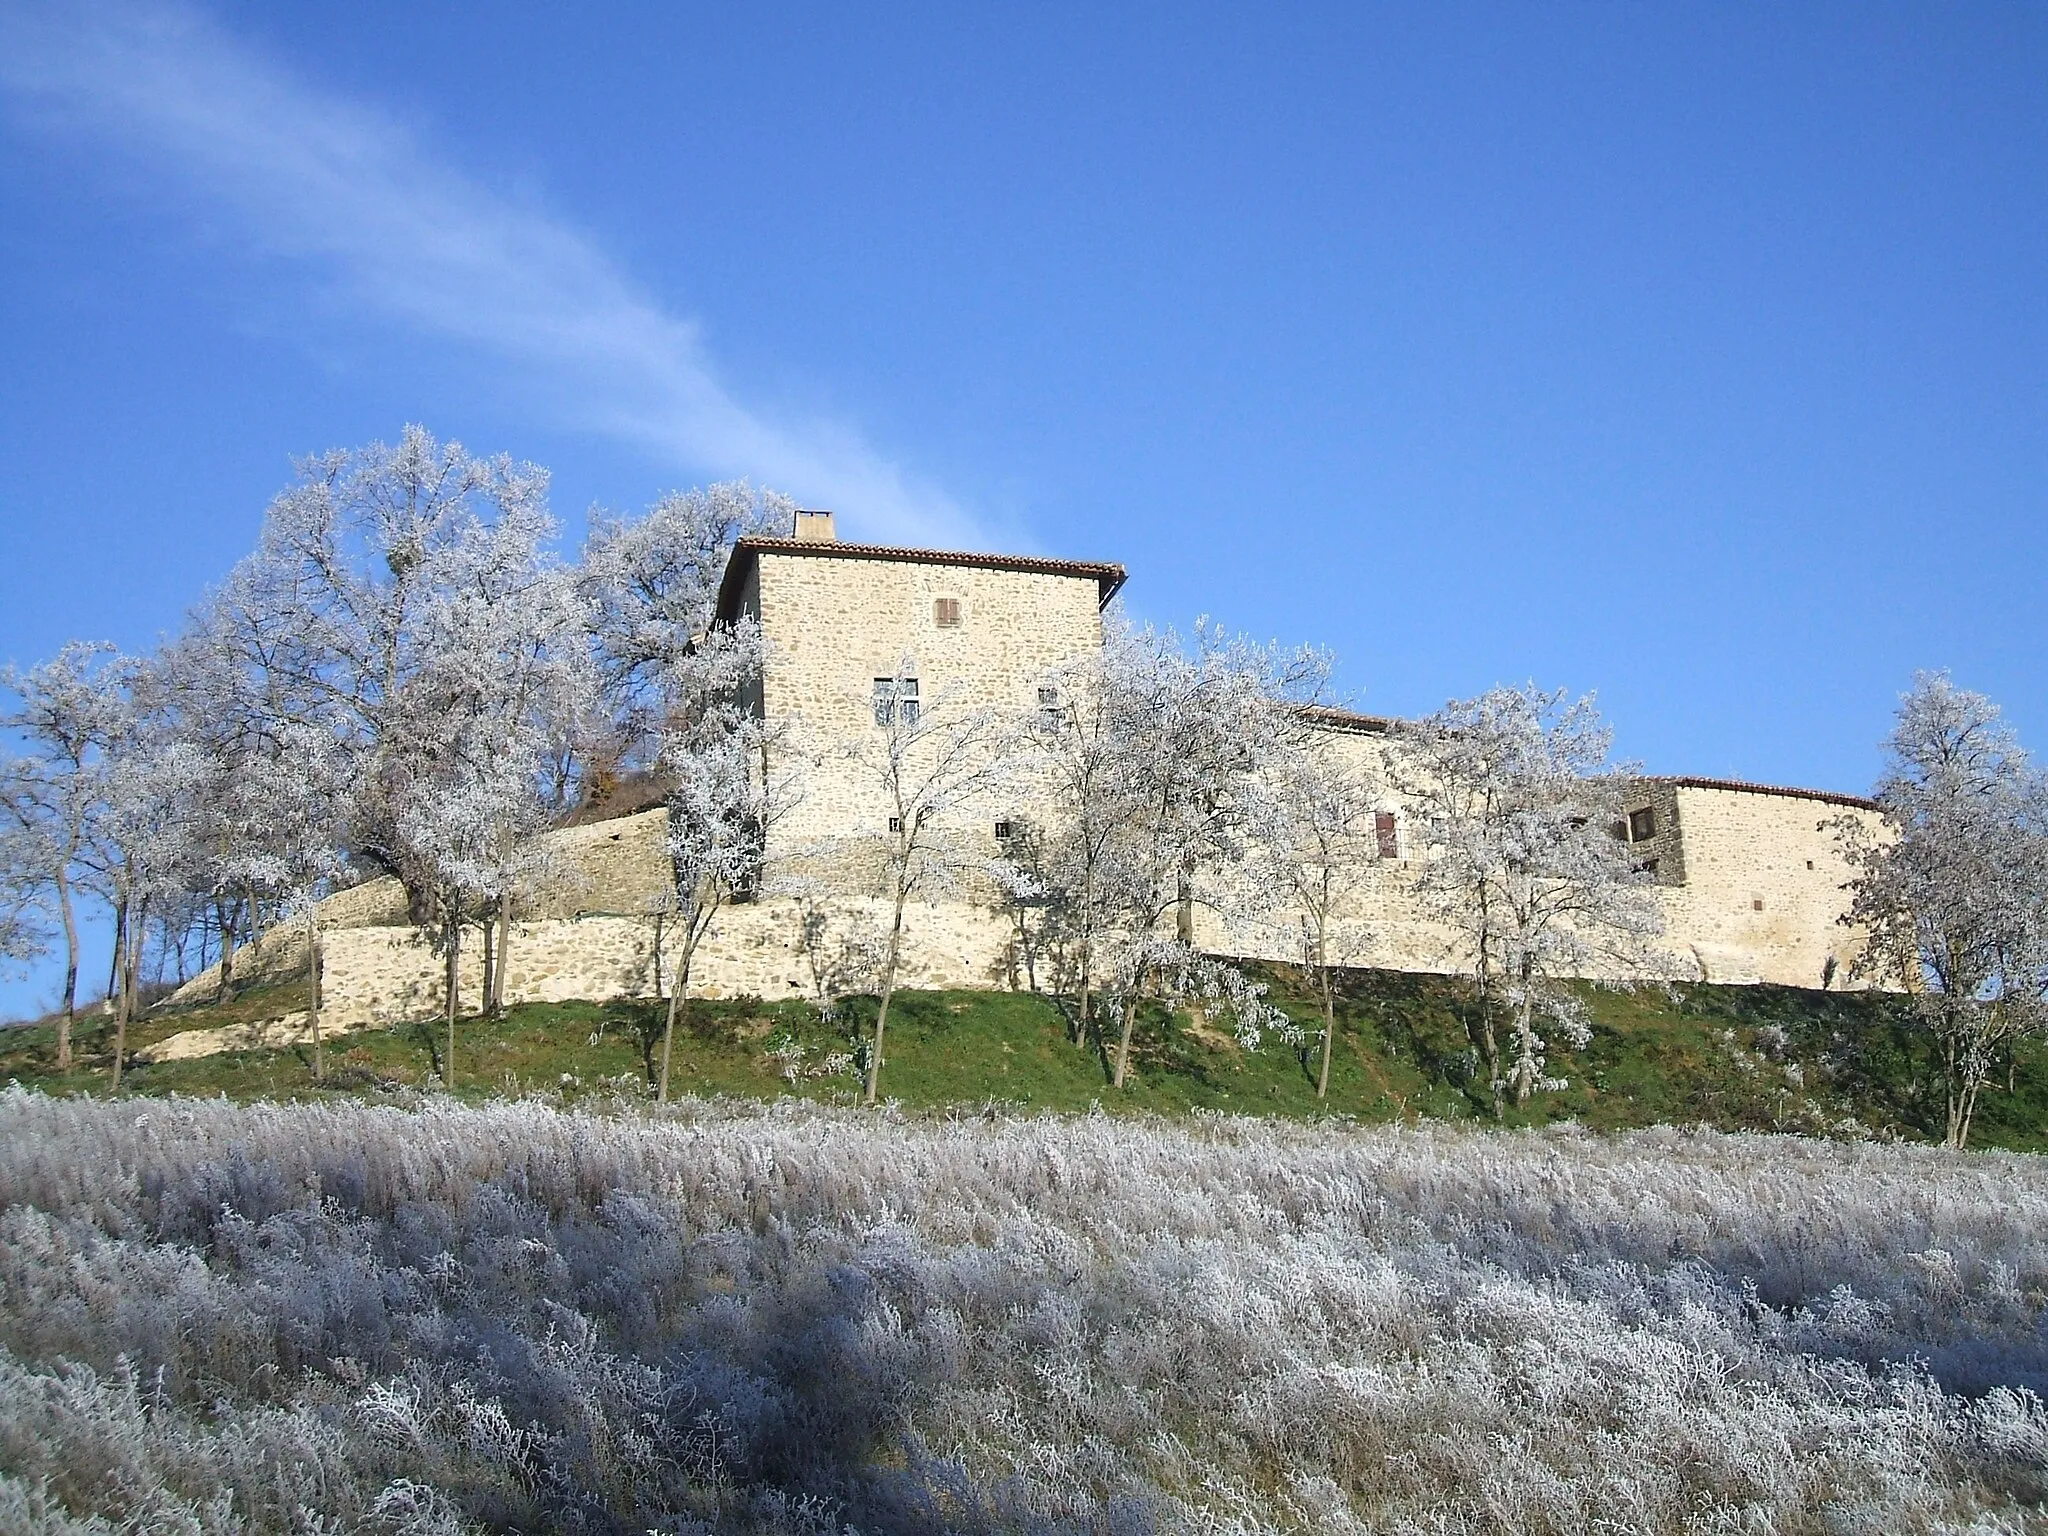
[1388, 834]
[1005, 831]
[1756, 903]
[946, 612]
[1049, 708]
[895, 823]
[895, 697]
[1809, 863]
[1642, 825]
[1647, 867]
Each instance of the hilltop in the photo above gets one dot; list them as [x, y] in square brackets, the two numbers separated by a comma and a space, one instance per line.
[1738, 1058]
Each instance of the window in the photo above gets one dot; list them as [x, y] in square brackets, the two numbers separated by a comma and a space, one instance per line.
[946, 612]
[895, 696]
[895, 823]
[1389, 835]
[1647, 867]
[1756, 903]
[1005, 830]
[1809, 863]
[1049, 708]
[1642, 825]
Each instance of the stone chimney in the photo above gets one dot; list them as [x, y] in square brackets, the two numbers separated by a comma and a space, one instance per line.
[814, 528]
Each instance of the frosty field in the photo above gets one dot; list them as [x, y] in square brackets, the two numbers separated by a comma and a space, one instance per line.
[340, 1317]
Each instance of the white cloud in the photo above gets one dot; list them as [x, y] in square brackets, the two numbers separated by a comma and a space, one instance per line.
[317, 179]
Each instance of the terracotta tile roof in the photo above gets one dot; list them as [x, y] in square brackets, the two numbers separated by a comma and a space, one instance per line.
[1349, 719]
[1743, 787]
[1108, 578]
[1382, 725]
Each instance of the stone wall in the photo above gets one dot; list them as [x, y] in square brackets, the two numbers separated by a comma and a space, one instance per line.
[1765, 886]
[619, 866]
[1750, 880]
[387, 975]
[836, 623]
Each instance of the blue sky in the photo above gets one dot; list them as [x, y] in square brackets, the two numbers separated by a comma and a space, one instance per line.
[1694, 355]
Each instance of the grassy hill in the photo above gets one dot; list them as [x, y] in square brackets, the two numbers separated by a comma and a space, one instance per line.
[1758, 1058]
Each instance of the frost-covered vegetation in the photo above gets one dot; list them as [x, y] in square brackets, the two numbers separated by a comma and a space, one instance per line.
[338, 1317]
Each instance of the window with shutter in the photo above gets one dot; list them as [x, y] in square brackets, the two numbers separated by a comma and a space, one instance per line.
[1389, 835]
[946, 612]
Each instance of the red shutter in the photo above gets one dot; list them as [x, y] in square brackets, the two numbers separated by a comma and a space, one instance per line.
[1390, 840]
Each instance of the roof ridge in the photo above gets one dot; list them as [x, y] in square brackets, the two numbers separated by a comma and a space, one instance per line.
[1108, 576]
[1750, 787]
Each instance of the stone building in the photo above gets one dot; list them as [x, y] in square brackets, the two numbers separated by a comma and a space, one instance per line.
[850, 627]
[1750, 877]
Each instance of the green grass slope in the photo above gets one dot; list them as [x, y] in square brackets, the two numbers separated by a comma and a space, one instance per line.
[1756, 1058]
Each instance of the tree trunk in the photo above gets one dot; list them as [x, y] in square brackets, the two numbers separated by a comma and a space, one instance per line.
[1329, 1022]
[64, 1019]
[676, 994]
[1525, 1042]
[313, 989]
[120, 947]
[1123, 1045]
[504, 953]
[127, 964]
[888, 991]
[1952, 1084]
[1489, 1043]
[454, 999]
[224, 983]
[1084, 1029]
[486, 958]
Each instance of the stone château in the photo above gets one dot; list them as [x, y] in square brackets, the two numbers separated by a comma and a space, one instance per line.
[1750, 877]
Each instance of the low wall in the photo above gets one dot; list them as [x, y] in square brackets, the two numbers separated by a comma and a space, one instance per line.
[764, 949]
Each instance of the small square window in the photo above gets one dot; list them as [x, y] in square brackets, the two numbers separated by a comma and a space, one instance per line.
[895, 823]
[1005, 830]
[1642, 825]
[1756, 903]
[946, 612]
[1809, 863]
[1049, 716]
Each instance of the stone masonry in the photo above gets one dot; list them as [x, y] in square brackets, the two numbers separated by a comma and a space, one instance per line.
[1750, 877]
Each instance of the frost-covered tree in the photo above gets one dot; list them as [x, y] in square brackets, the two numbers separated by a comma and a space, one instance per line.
[939, 769]
[154, 785]
[24, 882]
[1151, 764]
[291, 815]
[1073, 864]
[405, 598]
[730, 782]
[68, 713]
[651, 584]
[1519, 799]
[1954, 894]
[1317, 834]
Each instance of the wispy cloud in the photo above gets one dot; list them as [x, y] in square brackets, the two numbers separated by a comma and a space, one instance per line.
[331, 183]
